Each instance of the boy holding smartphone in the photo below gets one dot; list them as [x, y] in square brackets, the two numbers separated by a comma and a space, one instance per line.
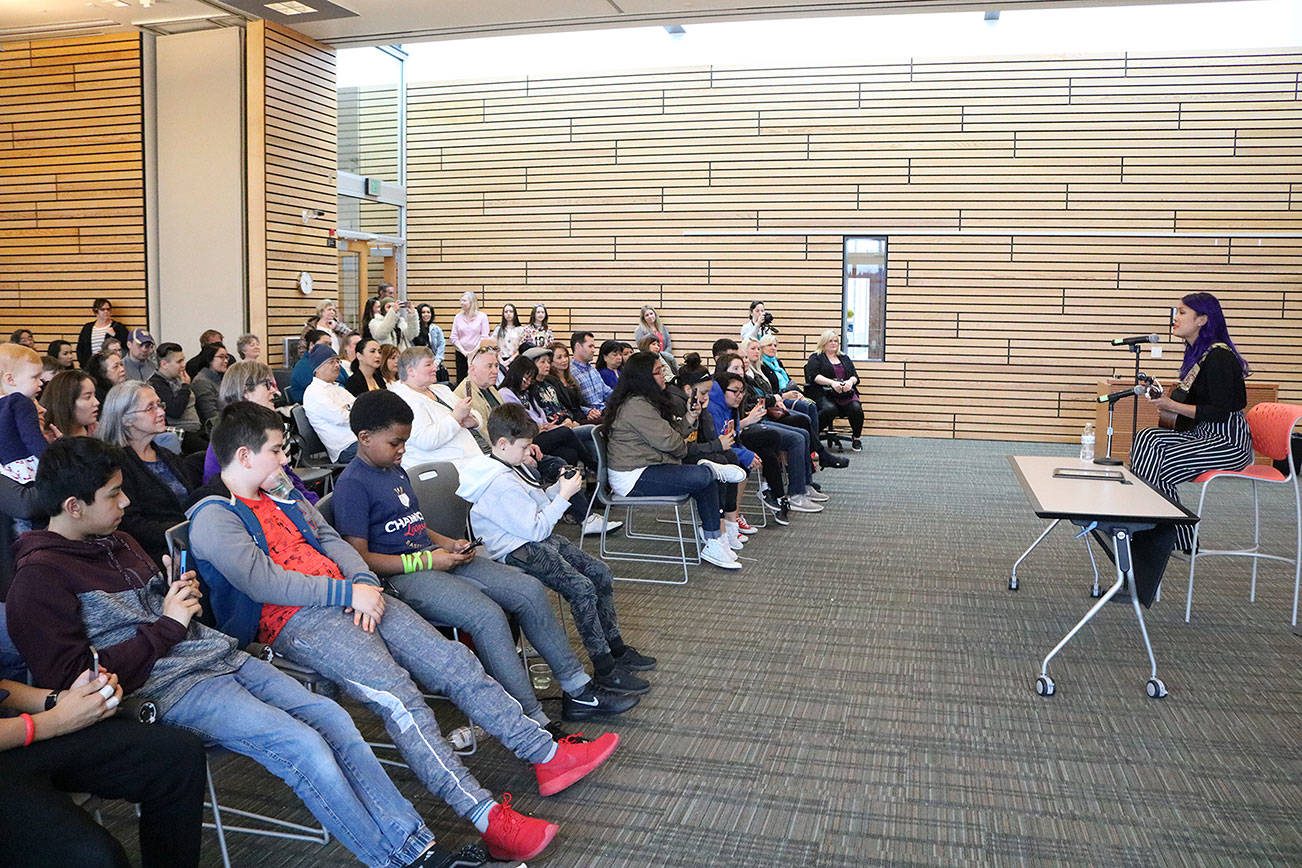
[517, 516]
[376, 511]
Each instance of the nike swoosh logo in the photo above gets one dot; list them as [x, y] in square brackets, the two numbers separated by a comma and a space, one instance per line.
[594, 703]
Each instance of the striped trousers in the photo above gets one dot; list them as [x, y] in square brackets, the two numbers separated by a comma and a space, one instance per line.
[1165, 458]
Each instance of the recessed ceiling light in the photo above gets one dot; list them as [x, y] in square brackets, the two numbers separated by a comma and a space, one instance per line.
[290, 7]
[675, 29]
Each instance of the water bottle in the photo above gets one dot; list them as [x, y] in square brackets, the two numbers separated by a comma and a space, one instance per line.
[463, 736]
[284, 489]
[1087, 442]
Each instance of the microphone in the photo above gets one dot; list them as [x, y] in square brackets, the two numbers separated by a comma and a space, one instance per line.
[1124, 393]
[1138, 339]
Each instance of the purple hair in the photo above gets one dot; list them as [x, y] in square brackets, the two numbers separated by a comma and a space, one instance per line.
[1213, 331]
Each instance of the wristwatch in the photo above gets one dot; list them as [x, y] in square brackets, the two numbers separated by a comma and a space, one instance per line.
[51, 698]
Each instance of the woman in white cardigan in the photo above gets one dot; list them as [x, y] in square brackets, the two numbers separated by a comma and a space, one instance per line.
[396, 324]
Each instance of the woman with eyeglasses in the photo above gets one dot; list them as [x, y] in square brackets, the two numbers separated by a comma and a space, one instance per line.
[154, 478]
[645, 450]
[91, 339]
[249, 381]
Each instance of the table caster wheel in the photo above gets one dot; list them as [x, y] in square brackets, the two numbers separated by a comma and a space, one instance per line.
[1156, 689]
[1044, 685]
[1012, 583]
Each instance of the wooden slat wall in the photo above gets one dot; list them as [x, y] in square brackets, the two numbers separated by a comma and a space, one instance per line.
[577, 192]
[71, 184]
[300, 157]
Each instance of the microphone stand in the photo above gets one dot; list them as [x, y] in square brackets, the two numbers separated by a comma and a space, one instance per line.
[1107, 460]
[1134, 413]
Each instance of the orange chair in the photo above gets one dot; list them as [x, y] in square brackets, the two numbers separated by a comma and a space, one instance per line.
[1271, 426]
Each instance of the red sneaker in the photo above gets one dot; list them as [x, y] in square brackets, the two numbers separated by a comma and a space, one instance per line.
[573, 760]
[512, 836]
[744, 526]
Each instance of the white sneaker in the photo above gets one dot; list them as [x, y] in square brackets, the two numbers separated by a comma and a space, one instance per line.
[802, 503]
[732, 533]
[719, 554]
[816, 496]
[596, 523]
[725, 472]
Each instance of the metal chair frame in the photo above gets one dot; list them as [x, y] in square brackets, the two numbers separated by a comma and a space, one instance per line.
[1258, 419]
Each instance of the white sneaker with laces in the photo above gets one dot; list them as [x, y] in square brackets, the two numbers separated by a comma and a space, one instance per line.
[732, 533]
[725, 472]
[802, 503]
[717, 553]
[595, 523]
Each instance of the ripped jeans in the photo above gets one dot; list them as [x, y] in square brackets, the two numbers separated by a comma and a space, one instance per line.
[373, 668]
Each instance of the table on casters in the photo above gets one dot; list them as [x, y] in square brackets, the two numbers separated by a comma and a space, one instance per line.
[1118, 507]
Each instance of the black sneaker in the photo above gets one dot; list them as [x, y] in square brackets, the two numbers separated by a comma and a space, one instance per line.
[781, 512]
[469, 856]
[621, 682]
[835, 462]
[635, 662]
[559, 732]
[855, 445]
[595, 703]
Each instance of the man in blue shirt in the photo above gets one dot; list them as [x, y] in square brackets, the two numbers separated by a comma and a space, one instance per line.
[594, 389]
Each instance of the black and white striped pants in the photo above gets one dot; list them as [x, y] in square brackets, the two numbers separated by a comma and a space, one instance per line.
[1165, 458]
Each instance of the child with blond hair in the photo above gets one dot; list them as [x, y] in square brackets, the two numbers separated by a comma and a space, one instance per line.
[22, 439]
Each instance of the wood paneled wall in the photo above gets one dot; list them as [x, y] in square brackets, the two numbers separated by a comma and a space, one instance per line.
[292, 158]
[72, 220]
[578, 192]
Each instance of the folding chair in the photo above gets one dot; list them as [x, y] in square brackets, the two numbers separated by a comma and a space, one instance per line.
[609, 500]
[315, 454]
[1271, 425]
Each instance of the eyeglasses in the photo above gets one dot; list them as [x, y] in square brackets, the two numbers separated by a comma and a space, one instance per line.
[151, 407]
[269, 383]
[740, 391]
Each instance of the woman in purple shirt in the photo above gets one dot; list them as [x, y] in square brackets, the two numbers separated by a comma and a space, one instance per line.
[832, 383]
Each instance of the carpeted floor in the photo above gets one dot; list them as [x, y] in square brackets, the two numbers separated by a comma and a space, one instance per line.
[862, 693]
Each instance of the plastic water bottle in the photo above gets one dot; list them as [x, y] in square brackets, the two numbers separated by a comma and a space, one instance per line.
[1087, 442]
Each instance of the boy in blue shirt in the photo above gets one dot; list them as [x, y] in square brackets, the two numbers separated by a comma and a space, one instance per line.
[377, 512]
[517, 517]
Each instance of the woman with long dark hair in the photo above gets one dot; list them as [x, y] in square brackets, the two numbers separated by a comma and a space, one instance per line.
[367, 373]
[554, 437]
[71, 404]
[538, 332]
[1210, 430]
[645, 448]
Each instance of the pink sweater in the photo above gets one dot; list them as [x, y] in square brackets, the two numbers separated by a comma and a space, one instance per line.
[467, 333]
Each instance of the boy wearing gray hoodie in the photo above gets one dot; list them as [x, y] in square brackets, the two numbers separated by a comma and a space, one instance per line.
[516, 516]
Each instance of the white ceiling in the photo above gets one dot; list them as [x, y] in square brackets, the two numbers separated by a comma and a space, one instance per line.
[381, 22]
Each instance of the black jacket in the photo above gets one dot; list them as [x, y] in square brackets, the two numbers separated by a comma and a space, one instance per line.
[818, 364]
[16, 501]
[153, 508]
[83, 341]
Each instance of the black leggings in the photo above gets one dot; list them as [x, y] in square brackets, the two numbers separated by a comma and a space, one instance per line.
[564, 443]
[158, 767]
[852, 411]
[462, 366]
[765, 444]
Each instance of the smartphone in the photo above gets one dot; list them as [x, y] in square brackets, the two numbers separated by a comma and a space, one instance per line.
[474, 544]
[770, 401]
[178, 566]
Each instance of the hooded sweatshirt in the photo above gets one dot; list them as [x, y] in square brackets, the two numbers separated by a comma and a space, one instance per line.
[508, 511]
[105, 591]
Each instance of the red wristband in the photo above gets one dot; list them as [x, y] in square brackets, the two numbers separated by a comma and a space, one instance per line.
[31, 729]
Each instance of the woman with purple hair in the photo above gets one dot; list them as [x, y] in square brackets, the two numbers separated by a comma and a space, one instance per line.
[1211, 432]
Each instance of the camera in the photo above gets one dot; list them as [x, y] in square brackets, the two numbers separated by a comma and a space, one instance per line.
[766, 323]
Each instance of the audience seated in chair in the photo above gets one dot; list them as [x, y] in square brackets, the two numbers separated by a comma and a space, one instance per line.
[832, 383]
[327, 404]
[277, 572]
[446, 581]
[83, 583]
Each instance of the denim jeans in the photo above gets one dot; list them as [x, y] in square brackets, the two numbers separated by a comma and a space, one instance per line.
[796, 444]
[585, 582]
[312, 744]
[803, 414]
[693, 479]
[476, 597]
[373, 669]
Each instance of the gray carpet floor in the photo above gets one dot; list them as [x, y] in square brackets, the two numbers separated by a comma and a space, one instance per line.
[862, 693]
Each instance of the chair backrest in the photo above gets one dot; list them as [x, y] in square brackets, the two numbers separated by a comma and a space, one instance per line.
[326, 507]
[1272, 427]
[283, 377]
[312, 444]
[603, 471]
[436, 490]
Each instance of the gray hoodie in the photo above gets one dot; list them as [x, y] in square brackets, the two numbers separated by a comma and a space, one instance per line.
[508, 512]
